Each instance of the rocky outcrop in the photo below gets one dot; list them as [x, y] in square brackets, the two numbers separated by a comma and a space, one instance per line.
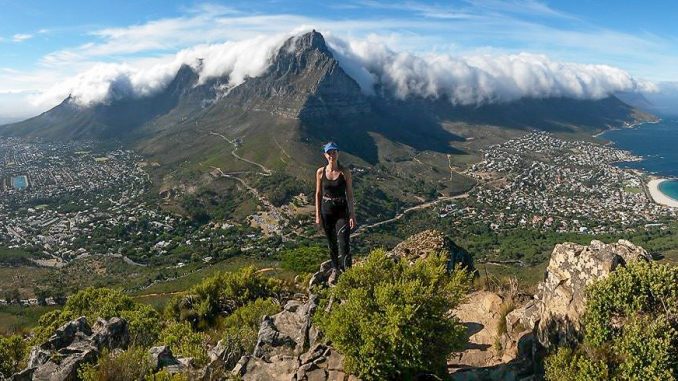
[561, 297]
[287, 349]
[421, 245]
[72, 345]
[489, 353]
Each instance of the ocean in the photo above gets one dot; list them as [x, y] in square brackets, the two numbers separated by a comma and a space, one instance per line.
[657, 143]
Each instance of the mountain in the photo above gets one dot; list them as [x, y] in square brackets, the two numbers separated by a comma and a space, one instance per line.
[304, 98]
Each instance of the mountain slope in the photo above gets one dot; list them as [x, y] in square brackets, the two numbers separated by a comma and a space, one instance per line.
[409, 147]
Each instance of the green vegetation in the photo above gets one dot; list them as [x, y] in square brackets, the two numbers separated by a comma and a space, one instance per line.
[13, 350]
[390, 319]
[305, 259]
[530, 246]
[93, 303]
[280, 188]
[185, 342]
[132, 364]
[223, 293]
[15, 257]
[19, 319]
[630, 329]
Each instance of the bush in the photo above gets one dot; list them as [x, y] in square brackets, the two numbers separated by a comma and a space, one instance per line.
[630, 328]
[13, 349]
[391, 320]
[304, 259]
[183, 341]
[103, 303]
[132, 364]
[222, 293]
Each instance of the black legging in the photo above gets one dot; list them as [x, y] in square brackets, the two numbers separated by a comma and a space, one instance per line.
[335, 223]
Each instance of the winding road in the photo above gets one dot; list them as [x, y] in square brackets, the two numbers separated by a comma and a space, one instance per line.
[429, 204]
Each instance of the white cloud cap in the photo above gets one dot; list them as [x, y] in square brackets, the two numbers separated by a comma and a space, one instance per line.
[471, 80]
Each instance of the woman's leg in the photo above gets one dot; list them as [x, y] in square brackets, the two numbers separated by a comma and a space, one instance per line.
[343, 238]
[330, 228]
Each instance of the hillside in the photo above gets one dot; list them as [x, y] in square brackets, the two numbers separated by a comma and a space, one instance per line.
[280, 118]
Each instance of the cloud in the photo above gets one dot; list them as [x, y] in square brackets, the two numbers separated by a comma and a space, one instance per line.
[480, 79]
[20, 37]
[107, 82]
[467, 80]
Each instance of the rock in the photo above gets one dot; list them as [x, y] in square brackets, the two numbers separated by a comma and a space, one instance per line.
[67, 368]
[561, 296]
[421, 245]
[322, 276]
[287, 347]
[24, 375]
[480, 313]
[522, 319]
[110, 334]
[72, 345]
[38, 356]
[161, 357]
[67, 333]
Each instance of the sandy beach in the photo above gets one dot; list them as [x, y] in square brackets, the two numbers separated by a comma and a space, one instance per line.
[658, 196]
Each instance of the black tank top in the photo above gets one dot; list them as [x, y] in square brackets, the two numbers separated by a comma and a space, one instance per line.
[333, 188]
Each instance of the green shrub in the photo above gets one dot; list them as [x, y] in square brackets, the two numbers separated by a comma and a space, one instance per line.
[391, 320]
[222, 293]
[304, 259]
[242, 328]
[630, 328]
[103, 303]
[567, 365]
[13, 350]
[132, 364]
[185, 342]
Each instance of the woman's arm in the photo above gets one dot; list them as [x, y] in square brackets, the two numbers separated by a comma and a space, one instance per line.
[318, 195]
[349, 198]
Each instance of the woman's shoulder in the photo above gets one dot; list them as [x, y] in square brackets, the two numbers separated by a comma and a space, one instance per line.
[319, 171]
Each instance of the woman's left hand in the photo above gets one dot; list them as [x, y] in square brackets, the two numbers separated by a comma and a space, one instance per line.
[352, 222]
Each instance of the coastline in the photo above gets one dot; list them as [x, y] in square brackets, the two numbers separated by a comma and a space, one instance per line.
[631, 125]
[657, 195]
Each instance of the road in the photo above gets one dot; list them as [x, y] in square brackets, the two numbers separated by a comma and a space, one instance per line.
[408, 210]
[267, 172]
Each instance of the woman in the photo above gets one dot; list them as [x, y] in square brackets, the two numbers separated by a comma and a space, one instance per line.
[334, 207]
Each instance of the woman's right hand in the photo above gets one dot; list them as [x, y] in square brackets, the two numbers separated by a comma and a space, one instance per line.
[317, 220]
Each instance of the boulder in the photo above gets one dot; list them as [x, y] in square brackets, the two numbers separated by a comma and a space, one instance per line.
[421, 245]
[72, 345]
[322, 276]
[161, 357]
[480, 313]
[110, 334]
[67, 333]
[561, 296]
[287, 347]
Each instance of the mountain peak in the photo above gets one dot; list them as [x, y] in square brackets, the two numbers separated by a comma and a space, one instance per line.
[308, 41]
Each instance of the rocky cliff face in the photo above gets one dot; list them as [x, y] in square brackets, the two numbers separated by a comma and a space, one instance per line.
[304, 81]
[561, 297]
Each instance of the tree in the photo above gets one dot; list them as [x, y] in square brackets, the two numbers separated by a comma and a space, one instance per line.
[391, 320]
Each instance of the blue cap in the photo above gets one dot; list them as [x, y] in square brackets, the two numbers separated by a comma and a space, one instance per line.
[330, 146]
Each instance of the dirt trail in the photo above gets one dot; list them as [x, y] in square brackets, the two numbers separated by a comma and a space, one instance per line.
[267, 172]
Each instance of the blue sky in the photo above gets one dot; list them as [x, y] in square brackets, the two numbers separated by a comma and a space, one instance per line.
[42, 43]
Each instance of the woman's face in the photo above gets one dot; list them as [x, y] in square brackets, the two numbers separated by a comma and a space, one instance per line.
[331, 155]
